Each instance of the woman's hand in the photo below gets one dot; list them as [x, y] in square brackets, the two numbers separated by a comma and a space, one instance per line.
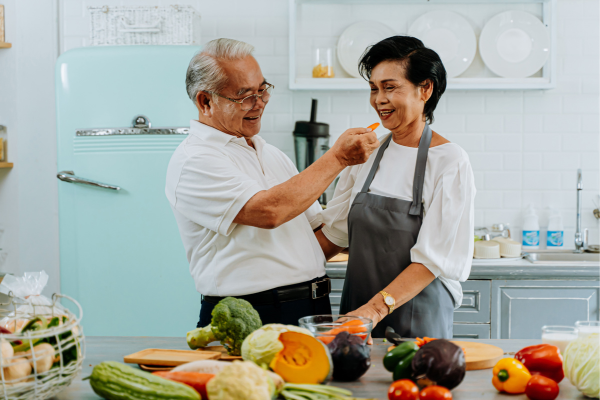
[375, 310]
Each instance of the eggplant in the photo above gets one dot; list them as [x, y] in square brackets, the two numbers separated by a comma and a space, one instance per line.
[351, 357]
[441, 363]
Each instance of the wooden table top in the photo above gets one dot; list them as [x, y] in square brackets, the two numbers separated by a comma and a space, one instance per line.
[477, 385]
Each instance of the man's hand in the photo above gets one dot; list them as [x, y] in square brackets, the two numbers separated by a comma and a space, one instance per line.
[355, 146]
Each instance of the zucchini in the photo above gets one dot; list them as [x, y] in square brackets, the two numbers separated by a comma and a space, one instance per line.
[115, 381]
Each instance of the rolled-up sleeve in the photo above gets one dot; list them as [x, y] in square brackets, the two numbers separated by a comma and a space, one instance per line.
[445, 241]
[335, 217]
[212, 190]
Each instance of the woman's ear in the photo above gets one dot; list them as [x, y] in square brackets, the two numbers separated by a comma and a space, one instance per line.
[204, 103]
[426, 89]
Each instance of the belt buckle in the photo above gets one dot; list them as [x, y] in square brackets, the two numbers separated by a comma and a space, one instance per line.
[315, 286]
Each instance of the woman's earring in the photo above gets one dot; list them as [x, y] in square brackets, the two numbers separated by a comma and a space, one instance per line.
[424, 102]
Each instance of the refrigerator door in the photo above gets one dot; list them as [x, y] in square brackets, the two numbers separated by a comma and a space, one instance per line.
[120, 250]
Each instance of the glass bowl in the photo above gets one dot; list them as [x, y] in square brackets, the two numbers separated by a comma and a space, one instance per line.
[326, 327]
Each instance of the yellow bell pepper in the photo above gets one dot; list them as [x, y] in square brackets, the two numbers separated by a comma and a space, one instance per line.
[510, 376]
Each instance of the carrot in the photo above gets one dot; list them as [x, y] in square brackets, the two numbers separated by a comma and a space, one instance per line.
[196, 380]
[374, 126]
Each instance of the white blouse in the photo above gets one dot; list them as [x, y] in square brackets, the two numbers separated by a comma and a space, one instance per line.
[445, 241]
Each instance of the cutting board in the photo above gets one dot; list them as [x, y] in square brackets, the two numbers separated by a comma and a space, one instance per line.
[478, 355]
[169, 358]
[223, 351]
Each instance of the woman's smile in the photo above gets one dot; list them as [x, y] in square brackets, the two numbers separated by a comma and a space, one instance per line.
[385, 113]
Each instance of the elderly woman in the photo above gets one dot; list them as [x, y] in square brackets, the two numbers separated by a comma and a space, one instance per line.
[406, 216]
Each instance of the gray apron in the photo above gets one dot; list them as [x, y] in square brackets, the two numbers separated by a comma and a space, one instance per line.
[381, 232]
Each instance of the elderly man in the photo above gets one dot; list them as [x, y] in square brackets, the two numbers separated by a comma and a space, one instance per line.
[245, 214]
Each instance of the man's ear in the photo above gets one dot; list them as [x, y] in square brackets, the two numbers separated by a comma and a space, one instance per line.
[204, 103]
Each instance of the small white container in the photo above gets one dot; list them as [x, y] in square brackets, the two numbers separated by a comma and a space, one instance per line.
[508, 248]
[556, 230]
[487, 249]
[531, 229]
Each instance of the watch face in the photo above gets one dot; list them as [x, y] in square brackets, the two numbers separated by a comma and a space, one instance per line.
[389, 300]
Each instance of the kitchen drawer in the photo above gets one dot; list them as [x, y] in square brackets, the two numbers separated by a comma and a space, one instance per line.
[475, 307]
[471, 331]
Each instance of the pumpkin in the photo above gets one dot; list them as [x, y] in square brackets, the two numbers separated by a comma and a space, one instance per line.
[303, 359]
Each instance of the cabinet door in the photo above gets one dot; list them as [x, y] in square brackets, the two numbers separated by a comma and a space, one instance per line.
[475, 307]
[471, 331]
[521, 308]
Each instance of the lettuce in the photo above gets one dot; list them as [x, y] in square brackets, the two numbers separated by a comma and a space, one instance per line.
[581, 363]
[263, 344]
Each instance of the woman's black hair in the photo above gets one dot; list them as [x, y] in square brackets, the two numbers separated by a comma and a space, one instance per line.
[420, 64]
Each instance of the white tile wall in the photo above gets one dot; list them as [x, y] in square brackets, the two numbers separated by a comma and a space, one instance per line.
[525, 146]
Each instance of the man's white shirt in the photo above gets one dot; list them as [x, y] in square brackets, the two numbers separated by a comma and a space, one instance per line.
[210, 178]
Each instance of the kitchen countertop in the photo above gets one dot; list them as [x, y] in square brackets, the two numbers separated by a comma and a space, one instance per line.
[520, 269]
[374, 384]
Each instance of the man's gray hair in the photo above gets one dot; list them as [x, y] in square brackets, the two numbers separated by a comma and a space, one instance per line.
[204, 72]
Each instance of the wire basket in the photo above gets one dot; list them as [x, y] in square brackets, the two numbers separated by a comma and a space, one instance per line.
[46, 377]
[137, 25]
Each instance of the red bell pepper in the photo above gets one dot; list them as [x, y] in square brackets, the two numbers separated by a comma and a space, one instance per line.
[542, 359]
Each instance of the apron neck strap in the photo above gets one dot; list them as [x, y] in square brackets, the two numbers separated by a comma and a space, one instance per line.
[375, 166]
[417, 204]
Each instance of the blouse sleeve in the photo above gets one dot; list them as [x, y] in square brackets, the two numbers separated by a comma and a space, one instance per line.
[335, 216]
[445, 241]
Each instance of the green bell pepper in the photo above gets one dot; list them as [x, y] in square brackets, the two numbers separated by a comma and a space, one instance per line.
[399, 360]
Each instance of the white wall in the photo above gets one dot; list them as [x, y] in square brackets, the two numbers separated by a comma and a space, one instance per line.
[28, 195]
[525, 146]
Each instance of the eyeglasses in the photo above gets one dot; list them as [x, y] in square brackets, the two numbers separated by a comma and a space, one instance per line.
[249, 102]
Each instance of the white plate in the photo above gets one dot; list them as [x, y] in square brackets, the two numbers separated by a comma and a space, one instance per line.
[514, 44]
[355, 39]
[449, 35]
[495, 261]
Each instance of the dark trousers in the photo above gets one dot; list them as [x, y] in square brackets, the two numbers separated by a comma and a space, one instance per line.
[288, 312]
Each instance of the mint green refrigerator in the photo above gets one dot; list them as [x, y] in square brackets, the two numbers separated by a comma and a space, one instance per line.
[121, 112]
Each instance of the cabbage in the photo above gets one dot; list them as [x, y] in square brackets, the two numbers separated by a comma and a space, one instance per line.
[581, 363]
[263, 344]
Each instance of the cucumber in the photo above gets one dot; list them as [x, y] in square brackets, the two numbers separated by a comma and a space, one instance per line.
[115, 381]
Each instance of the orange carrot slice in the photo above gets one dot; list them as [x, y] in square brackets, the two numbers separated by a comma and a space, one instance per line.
[374, 126]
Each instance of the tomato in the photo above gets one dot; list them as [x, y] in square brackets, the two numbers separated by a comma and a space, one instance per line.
[541, 388]
[404, 389]
[436, 393]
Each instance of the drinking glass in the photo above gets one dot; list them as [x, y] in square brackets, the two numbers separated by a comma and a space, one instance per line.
[586, 328]
[559, 336]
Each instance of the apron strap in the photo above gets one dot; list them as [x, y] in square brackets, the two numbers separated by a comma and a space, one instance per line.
[417, 204]
[373, 170]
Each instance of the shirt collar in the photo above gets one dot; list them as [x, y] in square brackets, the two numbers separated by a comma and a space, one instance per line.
[213, 135]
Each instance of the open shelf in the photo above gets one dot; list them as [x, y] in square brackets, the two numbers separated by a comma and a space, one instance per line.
[6, 164]
[319, 23]
[453, 83]
[5, 45]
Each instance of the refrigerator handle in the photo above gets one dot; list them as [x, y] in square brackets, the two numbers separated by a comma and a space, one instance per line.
[69, 176]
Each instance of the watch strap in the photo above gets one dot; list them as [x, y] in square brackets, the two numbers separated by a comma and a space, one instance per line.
[385, 296]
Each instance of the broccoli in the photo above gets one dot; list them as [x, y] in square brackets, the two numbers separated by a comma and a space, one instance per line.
[232, 320]
[200, 337]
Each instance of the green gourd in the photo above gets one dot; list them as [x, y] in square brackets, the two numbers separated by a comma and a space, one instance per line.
[115, 381]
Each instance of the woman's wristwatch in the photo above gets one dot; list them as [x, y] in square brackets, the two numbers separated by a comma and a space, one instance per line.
[388, 300]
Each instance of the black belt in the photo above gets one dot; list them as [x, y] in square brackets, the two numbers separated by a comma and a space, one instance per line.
[314, 289]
